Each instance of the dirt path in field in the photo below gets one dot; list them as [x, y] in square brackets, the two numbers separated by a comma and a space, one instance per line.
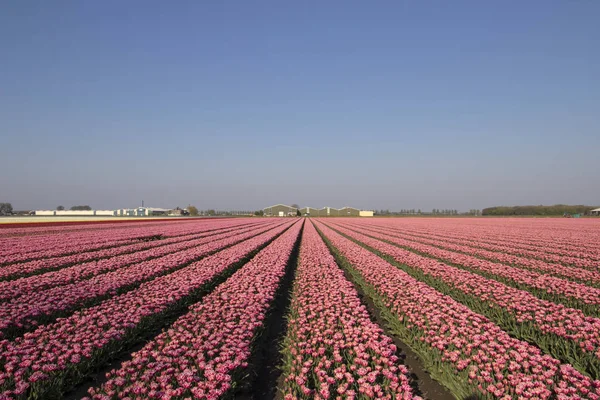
[266, 357]
[125, 352]
[425, 386]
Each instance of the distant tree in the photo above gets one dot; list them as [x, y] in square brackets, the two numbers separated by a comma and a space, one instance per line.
[259, 213]
[60, 208]
[211, 212]
[81, 208]
[557, 209]
[193, 211]
[419, 212]
[6, 208]
[298, 213]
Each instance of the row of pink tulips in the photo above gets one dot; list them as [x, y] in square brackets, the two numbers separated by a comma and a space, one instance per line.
[587, 272]
[38, 362]
[83, 228]
[27, 248]
[470, 352]
[573, 237]
[23, 312]
[543, 252]
[569, 324]
[547, 284]
[57, 241]
[204, 351]
[332, 347]
[78, 272]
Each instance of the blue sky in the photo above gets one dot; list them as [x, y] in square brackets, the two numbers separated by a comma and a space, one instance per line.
[239, 105]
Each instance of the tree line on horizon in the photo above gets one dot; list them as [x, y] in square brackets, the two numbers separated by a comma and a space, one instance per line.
[6, 209]
[557, 209]
[435, 211]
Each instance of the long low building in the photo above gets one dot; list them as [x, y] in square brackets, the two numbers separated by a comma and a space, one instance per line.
[282, 210]
[123, 212]
[142, 212]
[75, 213]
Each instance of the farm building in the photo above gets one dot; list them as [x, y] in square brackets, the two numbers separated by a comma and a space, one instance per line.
[280, 210]
[179, 212]
[329, 212]
[75, 213]
[349, 212]
[309, 211]
[141, 212]
[595, 211]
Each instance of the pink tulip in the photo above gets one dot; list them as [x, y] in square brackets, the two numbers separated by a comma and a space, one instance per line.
[438, 320]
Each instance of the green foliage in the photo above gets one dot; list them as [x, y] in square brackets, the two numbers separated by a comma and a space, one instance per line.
[60, 208]
[558, 209]
[193, 211]
[6, 208]
[81, 208]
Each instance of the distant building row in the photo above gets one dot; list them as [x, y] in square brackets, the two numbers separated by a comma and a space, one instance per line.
[281, 210]
[123, 212]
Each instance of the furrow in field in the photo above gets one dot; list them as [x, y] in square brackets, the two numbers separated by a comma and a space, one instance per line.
[546, 286]
[332, 347]
[79, 272]
[466, 352]
[574, 237]
[590, 276]
[588, 273]
[562, 243]
[65, 249]
[28, 247]
[206, 352]
[54, 358]
[25, 312]
[547, 253]
[566, 333]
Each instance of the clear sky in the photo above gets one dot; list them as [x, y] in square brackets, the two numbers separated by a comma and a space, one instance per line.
[240, 105]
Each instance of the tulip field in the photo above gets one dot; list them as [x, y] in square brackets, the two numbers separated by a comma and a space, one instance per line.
[301, 308]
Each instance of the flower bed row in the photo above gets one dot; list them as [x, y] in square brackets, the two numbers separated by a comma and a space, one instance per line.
[546, 253]
[589, 276]
[205, 352]
[79, 272]
[26, 311]
[31, 245]
[332, 348]
[47, 248]
[570, 293]
[466, 352]
[576, 238]
[55, 357]
[563, 241]
[573, 335]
